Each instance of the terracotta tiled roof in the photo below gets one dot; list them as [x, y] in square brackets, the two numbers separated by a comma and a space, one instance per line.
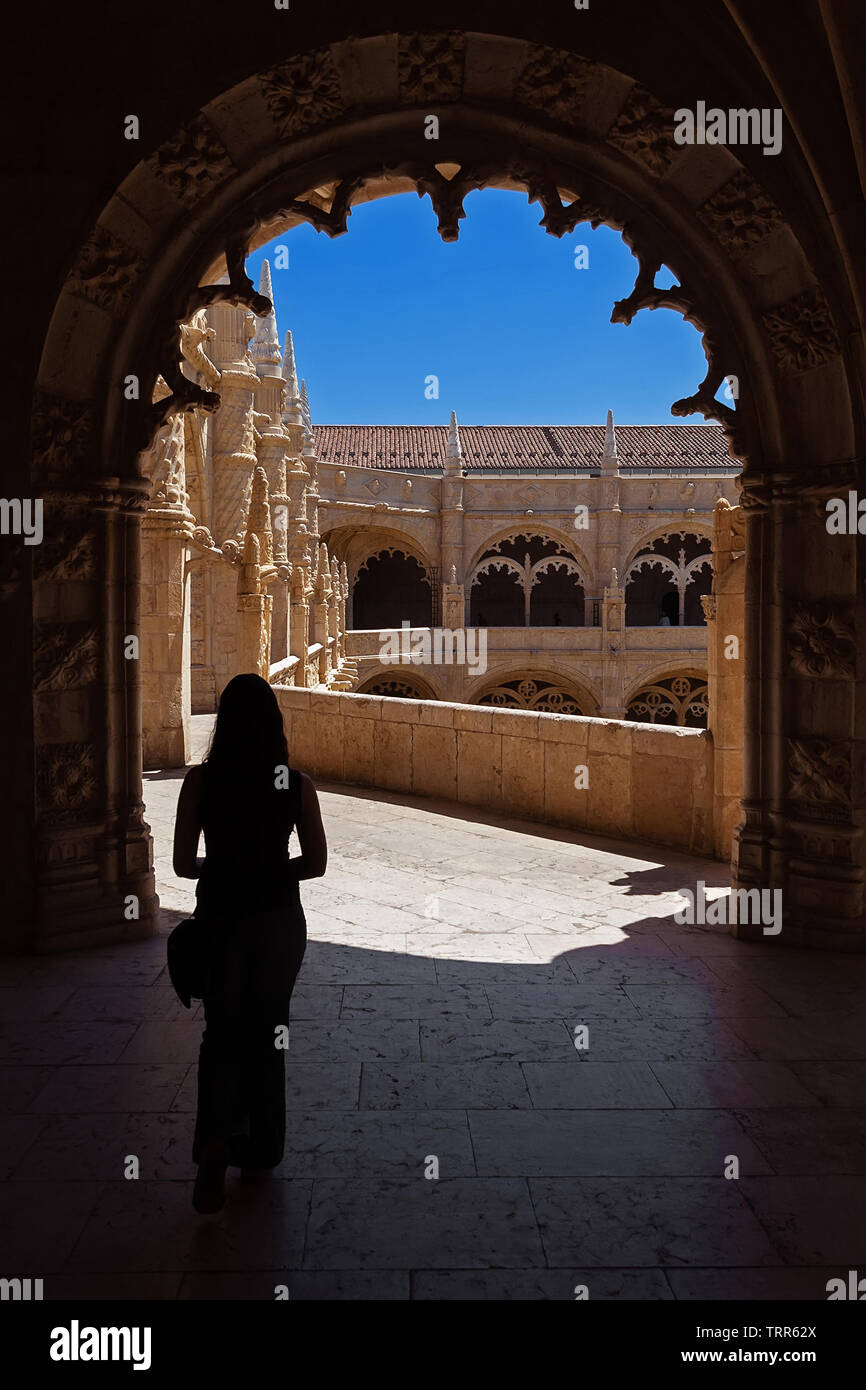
[525, 447]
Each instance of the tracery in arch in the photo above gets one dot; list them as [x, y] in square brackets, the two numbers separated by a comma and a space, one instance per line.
[393, 587]
[534, 693]
[677, 700]
[527, 580]
[665, 581]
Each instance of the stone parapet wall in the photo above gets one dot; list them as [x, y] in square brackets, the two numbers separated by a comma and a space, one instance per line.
[644, 782]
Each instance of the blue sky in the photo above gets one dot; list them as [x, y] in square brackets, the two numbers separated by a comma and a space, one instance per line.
[514, 332]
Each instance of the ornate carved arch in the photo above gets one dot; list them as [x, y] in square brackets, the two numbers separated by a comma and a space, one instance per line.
[332, 126]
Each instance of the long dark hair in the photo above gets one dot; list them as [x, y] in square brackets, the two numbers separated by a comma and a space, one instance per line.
[248, 743]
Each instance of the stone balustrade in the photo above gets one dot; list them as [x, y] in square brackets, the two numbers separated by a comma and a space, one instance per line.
[643, 782]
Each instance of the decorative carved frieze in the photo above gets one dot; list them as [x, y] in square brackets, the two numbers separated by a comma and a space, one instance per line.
[63, 433]
[193, 162]
[430, 67]
[66, 780]
[64, 656]
[739, 214]
[554, 82]
[303, 92]
[645, 131]
[105, 271]
[821, 641]
[819, 775]
[802, 332]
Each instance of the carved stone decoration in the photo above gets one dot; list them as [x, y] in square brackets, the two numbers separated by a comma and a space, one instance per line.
[69, 555]
[303, 92]
[62, 434]
[821, 641]
[802, 332]
[708, 603]
[105, 271]
[193, 336]
[645, 131]
[430, 67]
[194, 162]
[819, 773]
[62, 660]
[739, 214]
[66, 781]
[554, 82]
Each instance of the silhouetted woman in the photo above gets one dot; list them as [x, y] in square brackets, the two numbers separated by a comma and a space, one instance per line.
[246, 801]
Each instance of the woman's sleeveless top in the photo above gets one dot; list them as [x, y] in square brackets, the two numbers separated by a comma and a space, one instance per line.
[246, 834]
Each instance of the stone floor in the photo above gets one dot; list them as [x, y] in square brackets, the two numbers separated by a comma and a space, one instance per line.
[451, 959]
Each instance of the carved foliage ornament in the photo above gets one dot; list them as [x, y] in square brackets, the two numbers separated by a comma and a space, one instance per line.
[821, 641]
[64, 658]
[62, 433]
[194, 162]
[819, 772]
[645, 131]
[802, 332]
[303, 92]
[70, 553]
[431, 67]
[739, 214]
[66, 780]
[554, 82]
[105, 271]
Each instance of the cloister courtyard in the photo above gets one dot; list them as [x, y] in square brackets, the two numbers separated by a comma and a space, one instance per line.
[452, 956]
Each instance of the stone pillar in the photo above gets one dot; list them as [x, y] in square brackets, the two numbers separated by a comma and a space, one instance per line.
[299, 622]
[165, 638]
[613, 649]
[723, 609]
[803, 794]
[94, 863]
[454, 614]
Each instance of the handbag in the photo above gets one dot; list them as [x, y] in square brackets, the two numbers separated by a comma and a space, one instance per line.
[187, 957]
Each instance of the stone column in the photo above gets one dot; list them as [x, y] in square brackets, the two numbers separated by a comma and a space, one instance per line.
[613, 649]
[94, 864]
[803, 794]
[165, 638]
[723, 609]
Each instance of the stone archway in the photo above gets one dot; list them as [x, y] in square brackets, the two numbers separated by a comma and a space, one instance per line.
[302, 142]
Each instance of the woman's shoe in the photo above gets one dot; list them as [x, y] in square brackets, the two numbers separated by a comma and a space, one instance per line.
[209, 1192]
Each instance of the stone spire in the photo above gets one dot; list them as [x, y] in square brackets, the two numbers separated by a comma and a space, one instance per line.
[306, 416]
[290, 374]
[265, 350]
[610, 457]
[453, 451]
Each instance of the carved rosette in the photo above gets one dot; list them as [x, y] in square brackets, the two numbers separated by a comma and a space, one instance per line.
[820, 776]
[555, 83]
[739, 214]
[66, 781]
[802, 332]
[303, 92]
[821, 641]
[105, 271]
[193, 163]
[645, 131]
[62, 435]
[65, 656]
[430, 67]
